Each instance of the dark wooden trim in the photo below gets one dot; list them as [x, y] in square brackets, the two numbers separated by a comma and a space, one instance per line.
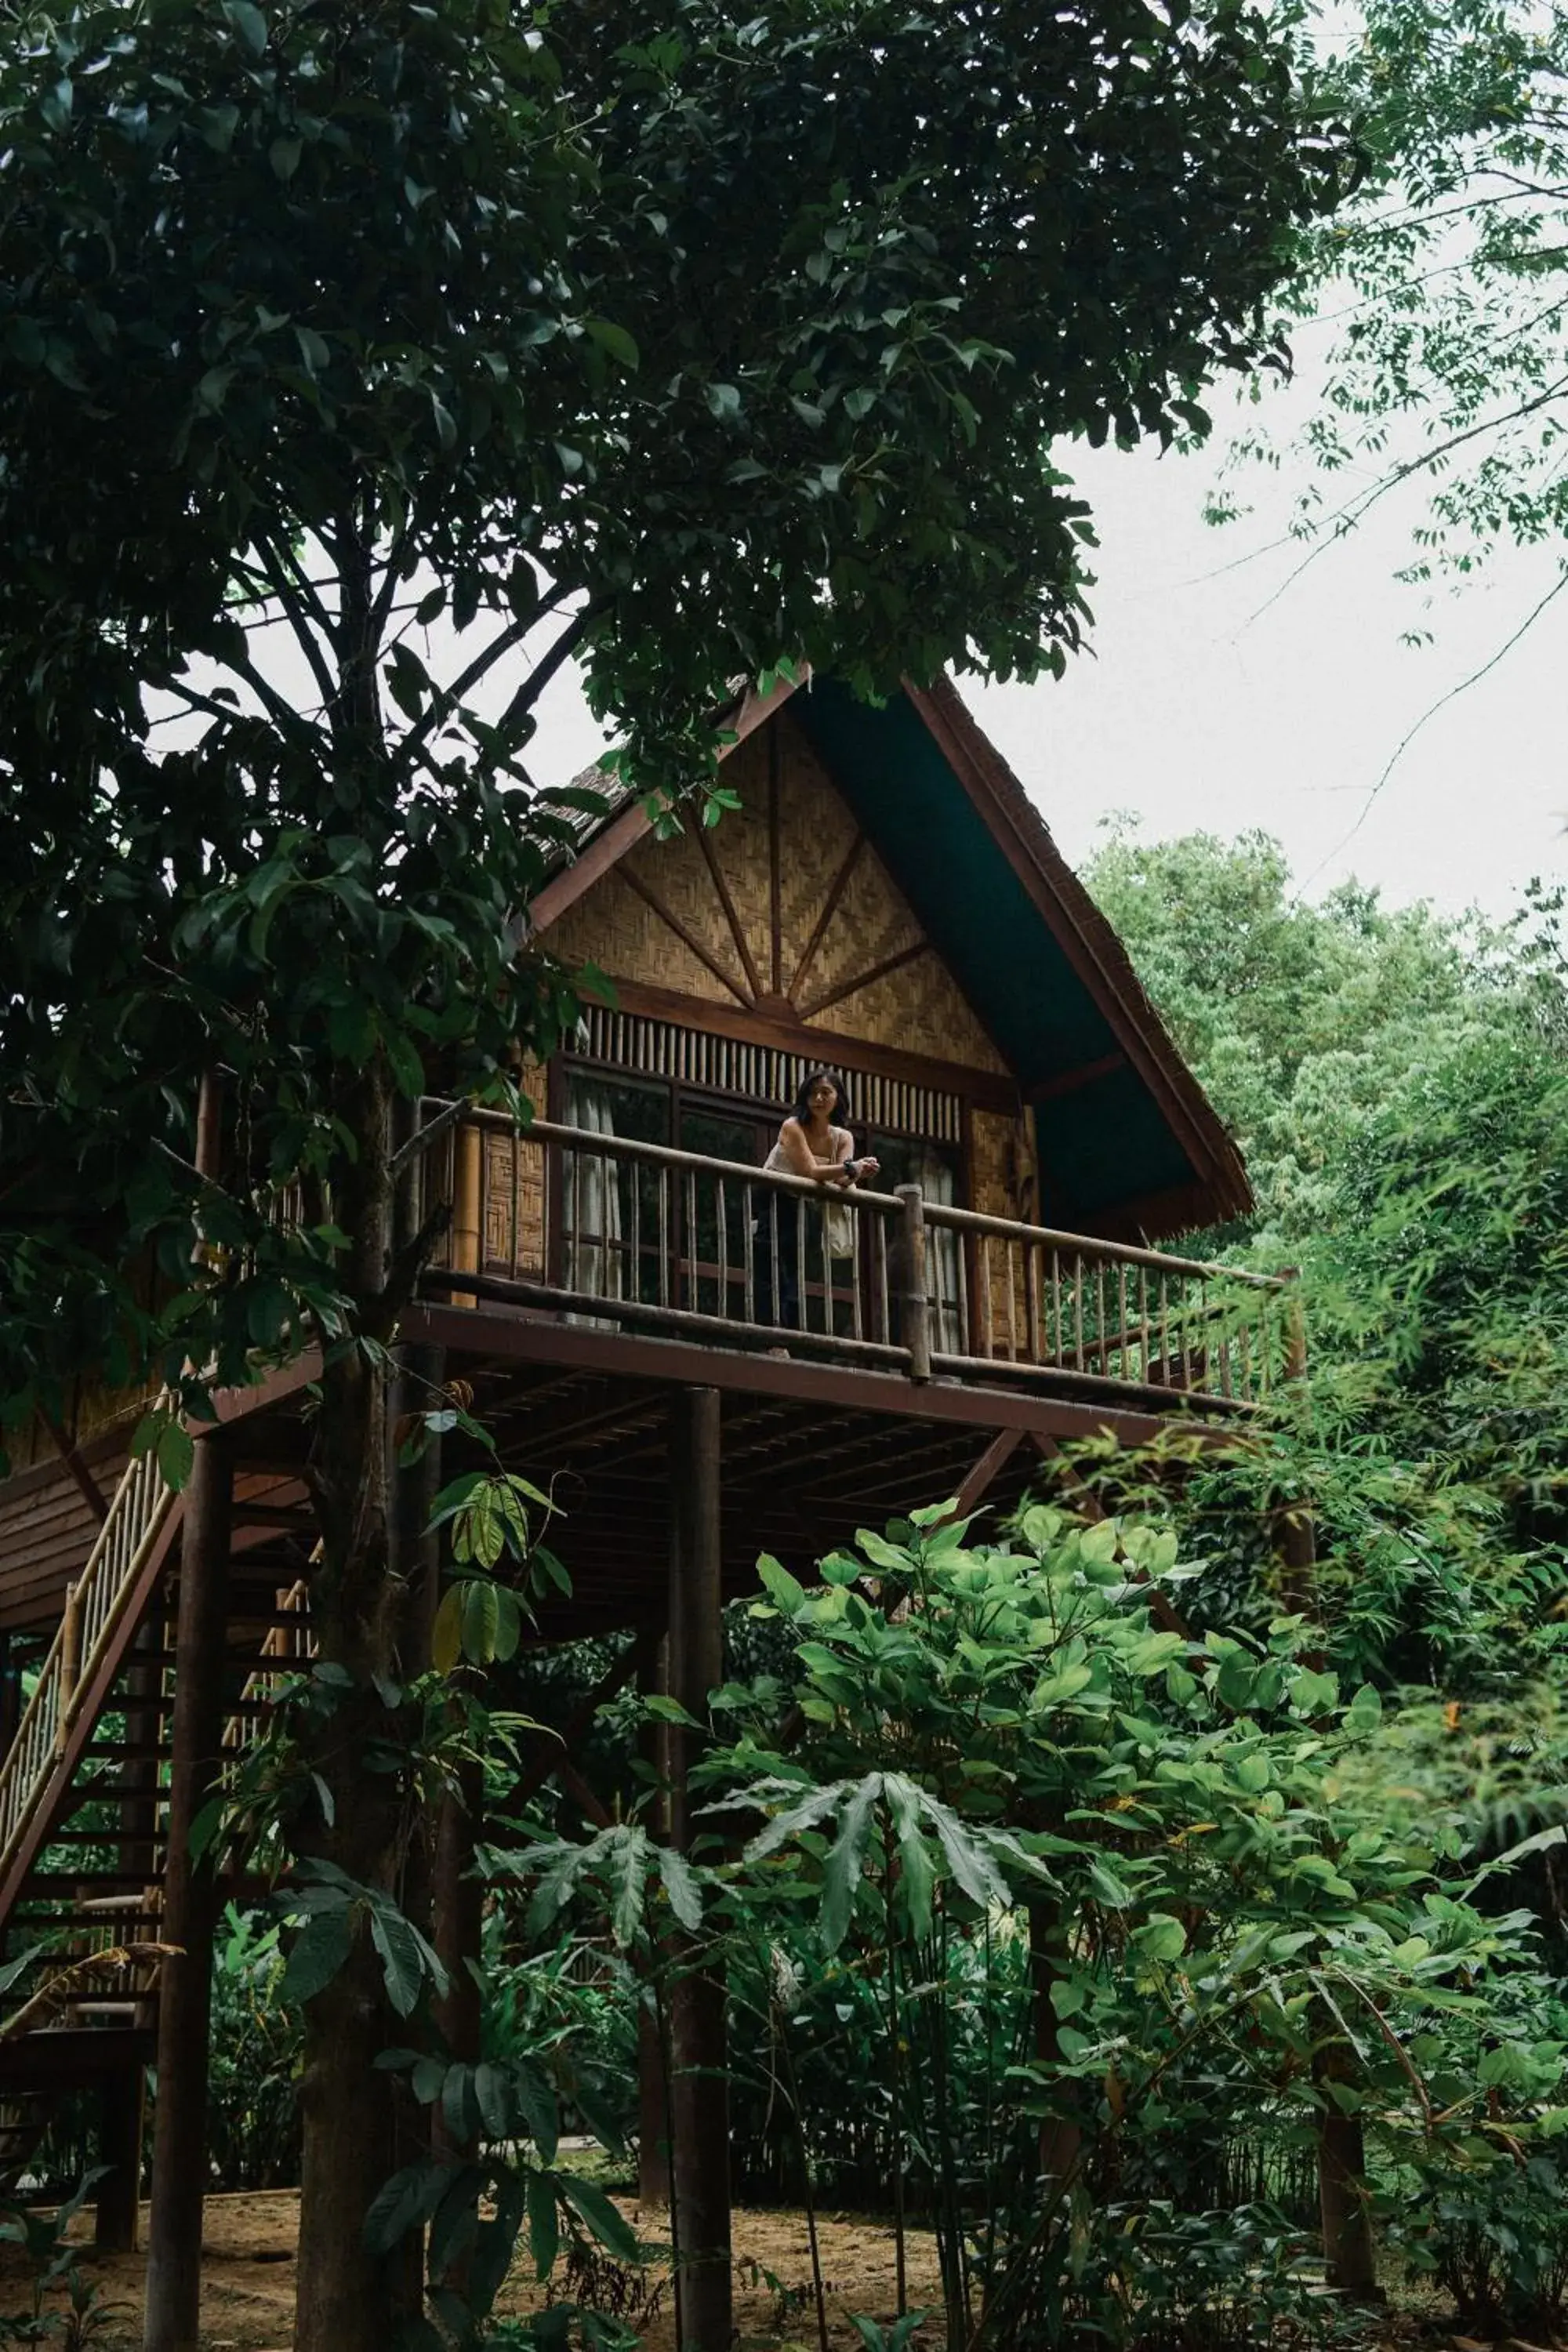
[775, 855]
[689, 939]
[955, 733]
[754, 1026]
[87, 1485]
[852, 987]
[837, 888]
[716, 873]
[483, 1335]
[995, 1458]
[605, 849]
[1069, 1081]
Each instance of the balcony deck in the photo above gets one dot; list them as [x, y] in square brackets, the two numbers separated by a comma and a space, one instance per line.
[587, 1278]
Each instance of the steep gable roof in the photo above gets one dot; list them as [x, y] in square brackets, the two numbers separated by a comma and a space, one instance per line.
[1130, 1145]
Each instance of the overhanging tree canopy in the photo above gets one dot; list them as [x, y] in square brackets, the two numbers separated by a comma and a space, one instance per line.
[647, 334]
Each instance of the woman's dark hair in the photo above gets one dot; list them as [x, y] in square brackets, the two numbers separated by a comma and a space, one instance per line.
[839, 1114]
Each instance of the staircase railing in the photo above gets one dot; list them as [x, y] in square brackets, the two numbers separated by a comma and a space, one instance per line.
[95, 1607]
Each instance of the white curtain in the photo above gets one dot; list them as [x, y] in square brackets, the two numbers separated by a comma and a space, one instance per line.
[591, 1203]
[935, 1176]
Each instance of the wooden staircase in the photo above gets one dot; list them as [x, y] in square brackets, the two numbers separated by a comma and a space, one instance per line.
[84, 1792]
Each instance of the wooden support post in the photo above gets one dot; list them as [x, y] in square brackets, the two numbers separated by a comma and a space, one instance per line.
[118, 2208]
[699, 2096]
[914, 1307]
[653, 2079]
[190, 1910]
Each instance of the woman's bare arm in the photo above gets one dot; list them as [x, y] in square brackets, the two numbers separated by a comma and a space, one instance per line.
[795, 1145]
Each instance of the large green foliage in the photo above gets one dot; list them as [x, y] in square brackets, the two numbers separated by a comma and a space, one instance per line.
[362, 363]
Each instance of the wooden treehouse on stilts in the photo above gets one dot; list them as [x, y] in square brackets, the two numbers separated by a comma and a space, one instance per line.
[676, 1339]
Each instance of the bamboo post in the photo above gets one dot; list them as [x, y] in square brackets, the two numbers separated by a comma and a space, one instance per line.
[700, 2102]
[914, 1307]
[468, 1231]
[70, 1666]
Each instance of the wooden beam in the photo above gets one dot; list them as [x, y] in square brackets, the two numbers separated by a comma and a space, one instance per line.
[776, 862]
[829, 909]
[502, 1337]
[688, 938]
[861, 980]
[1068, 1082]
[997, 1456]
[87, 1485]
[721, 889]
[777, 1025]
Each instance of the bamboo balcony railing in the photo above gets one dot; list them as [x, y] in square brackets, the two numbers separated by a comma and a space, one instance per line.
[616, 1233]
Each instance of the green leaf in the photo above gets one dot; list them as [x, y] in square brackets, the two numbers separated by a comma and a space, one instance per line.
[249, 24]
[176, 1455]
[845, 1862]
[614, 340]
[1160, 1938]
[317, 1952]
[543, 2223]
[614, 2233]
[402, 1960]
[780, 1586]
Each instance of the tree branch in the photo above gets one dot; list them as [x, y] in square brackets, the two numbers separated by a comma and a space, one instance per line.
[449, 698]
[297, 597]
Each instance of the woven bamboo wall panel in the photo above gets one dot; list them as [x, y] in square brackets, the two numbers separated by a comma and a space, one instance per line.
[513, 1200]
[919, 1007]
[742, 848]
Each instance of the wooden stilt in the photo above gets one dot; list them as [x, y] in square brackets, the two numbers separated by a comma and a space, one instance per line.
[700, 2103]
[117, 2209]
[190, 1905]
[653, 2079]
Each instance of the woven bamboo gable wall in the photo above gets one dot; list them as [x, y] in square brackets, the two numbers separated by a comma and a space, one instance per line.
[868, 973]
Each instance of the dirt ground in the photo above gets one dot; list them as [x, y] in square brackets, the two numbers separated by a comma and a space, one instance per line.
[248, 2274]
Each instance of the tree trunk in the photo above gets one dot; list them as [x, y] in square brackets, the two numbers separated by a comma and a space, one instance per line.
[1349, 2257]
[367, 1620]
[190, 1910]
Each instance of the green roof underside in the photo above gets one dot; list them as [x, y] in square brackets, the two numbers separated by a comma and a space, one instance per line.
[1105, 1144]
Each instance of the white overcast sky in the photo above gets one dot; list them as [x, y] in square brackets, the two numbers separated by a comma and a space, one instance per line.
[1204, 705]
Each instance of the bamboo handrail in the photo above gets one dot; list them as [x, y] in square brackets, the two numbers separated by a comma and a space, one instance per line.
[95, 1605]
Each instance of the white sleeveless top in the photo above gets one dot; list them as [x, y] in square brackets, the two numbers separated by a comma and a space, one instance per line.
[775, 1164]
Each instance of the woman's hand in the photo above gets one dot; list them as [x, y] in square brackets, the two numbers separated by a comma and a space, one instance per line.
[866, 1167]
